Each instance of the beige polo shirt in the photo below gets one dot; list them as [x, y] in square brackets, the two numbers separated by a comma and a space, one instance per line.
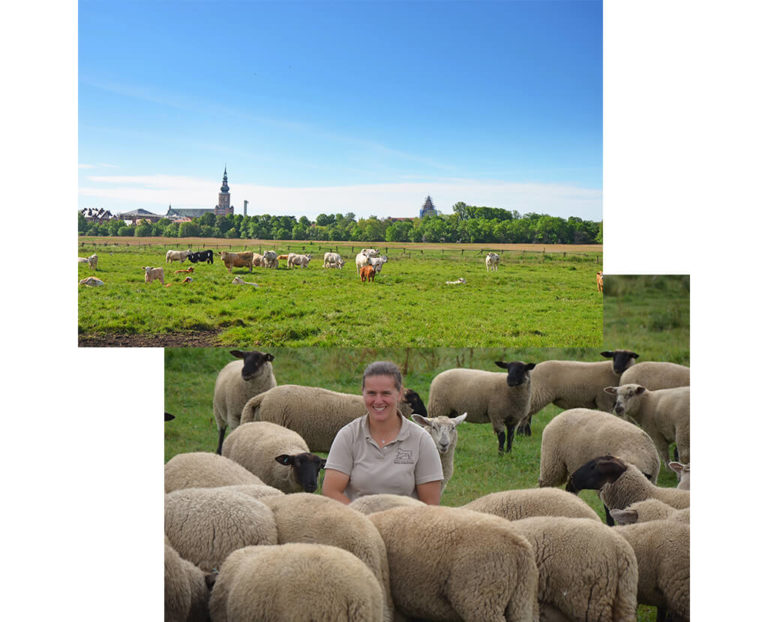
[396, 468]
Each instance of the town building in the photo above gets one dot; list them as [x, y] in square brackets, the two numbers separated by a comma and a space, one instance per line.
[222, 208]
[427, 209]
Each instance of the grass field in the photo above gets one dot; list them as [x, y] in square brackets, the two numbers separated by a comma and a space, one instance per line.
[648, 315]
[535, 299]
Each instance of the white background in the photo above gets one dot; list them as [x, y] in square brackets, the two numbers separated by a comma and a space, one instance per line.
[684, 178]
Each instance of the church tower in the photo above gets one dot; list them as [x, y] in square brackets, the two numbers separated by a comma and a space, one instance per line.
[223, 208]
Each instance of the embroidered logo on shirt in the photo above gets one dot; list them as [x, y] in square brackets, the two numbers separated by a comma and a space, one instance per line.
[404, 456]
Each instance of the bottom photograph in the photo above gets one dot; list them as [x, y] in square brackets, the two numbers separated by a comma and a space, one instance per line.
[436, 484]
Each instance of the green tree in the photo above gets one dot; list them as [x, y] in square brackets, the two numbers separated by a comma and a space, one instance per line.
[125, 231]
[208, 219]
[143, 230]
[82, 223]
[189, 229]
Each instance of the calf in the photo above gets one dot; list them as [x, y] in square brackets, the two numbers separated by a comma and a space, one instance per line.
[151, 274]
[600, 281]
[187, 271]
[367, 273]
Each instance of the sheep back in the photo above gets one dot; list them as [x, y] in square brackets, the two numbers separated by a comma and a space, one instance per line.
[483, 395]
[572, 384]
[257, 491]
[200, 469]
[295, 581]
[231, 392]
[575, 436]
[662, 549]
[586, 570]
[655, 375]
[368, 504]
[451, 563]
[517, 504]
[206, 524]
[632, 486]
[186, 593]
[305, 517]
[648, 510]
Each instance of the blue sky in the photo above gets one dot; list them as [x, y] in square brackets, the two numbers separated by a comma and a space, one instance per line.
[339, 106]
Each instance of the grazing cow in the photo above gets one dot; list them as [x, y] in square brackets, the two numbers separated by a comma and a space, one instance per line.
[294, 260]
[333, 260]
[377, 262]
[177, 256]
[150, 274]
[600, 281]
[367, 273]
[491, 262]
[92, 281]
[189, 270]
[201, 256]
[237, 260]
[258, 260]
[91, 261]
[238, 281]
[270, 259]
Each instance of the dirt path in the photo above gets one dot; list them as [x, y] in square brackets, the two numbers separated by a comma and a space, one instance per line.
[171, 340]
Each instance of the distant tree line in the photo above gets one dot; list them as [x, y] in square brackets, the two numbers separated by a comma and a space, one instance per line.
[467, 223]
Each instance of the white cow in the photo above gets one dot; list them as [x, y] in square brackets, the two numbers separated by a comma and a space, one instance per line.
[296, 260]
[333, 260]
[150, 274]
[377, 262]
[91, 261]
[492, 262]
[361, 259]
[92, 281]
[269, 260]
[177, 256]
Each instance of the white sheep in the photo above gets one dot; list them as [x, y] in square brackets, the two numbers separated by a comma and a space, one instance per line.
[316, 414]
[502, 399]
[296, 581]
[238, 382]
[586, 570]
[444, 434]
[683, 472]
[454, 564]
[186, 591]
[200, 469]
[527, 502]
[657, 375]
[492, 261]
[577, 435]
[664, 414]
[621, 484]
[304, 517]
[276, 455]
[91, 281]
[206, 524]
[663, 552]
[239, 281]
[257, 491]
[648, 510]
[368, 504]
[152, 274]
[577, 384]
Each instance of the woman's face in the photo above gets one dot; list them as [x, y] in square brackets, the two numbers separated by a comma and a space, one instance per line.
[381, 397]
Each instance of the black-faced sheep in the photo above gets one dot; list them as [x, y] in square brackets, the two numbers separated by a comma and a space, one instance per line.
[238, 382]
[276, 455]
[296, 581]
[621, 484]
[454, 564]
[502, 399]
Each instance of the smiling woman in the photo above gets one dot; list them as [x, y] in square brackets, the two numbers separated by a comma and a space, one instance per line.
[382, 451]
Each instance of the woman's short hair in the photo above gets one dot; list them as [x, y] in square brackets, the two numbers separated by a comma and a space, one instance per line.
[384, 368]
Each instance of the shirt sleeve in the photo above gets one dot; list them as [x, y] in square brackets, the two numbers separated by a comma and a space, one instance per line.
[428, 467]
[340, 456]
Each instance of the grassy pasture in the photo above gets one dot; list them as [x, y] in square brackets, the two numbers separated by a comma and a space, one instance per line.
[535, 299]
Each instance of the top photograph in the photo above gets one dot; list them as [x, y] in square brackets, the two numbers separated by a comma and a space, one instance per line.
[408, 174]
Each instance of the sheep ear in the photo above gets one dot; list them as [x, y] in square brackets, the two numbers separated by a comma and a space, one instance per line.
[322, 463]
[677, 467]
[238, 354]
[502, 364]
[639, 390]
[285, 459]
[611, 390]
[269, 357]
[459, 419]
[421, 420]
[624, 517]
[607, 354]
[530, 366]
[634, 355]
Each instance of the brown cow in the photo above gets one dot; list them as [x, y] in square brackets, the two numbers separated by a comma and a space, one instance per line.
[237, 260]
[367, 273]
[600, 281]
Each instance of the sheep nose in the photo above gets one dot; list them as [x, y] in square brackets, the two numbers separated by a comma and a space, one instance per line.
[310, 488]
[618, 409]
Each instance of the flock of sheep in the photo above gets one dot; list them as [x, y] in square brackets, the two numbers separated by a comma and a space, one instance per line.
[247, 539]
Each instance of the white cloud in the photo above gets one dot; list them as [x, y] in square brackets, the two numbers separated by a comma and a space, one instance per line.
[155, 192]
